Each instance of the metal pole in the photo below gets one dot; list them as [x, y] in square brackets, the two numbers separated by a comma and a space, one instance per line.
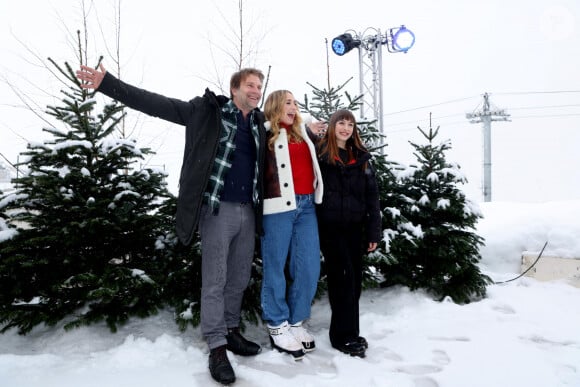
[380, 83]
[361, 78]
[375, 86]
[486, 158]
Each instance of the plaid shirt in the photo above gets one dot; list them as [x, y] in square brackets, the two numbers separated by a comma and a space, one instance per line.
[223, 158]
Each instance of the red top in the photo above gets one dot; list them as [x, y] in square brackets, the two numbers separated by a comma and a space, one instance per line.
[302, 170]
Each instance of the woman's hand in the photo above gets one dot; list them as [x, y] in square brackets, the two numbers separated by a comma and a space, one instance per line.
[318, 128]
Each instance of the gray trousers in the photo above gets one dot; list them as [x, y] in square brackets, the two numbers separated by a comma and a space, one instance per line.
[227, 251]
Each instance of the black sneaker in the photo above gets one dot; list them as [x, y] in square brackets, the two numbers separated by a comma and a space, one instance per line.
[219, 366]
[239, 345]
[352, 348]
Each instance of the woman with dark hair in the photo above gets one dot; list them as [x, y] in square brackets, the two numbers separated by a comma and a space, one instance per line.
[349, 223]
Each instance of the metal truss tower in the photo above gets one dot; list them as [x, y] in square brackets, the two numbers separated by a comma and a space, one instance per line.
[370, 58]
[370, 63]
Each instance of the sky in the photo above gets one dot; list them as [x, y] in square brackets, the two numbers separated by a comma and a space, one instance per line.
[524, 333]
[524, 53]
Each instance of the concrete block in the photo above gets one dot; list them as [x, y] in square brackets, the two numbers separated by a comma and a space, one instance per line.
[550, 268]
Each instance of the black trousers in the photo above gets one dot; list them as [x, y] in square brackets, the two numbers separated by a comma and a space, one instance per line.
[342, 248]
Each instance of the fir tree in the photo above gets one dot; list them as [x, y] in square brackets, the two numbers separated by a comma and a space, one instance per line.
[91, 242]
[328, 100]
[436, 247]
[182, 286]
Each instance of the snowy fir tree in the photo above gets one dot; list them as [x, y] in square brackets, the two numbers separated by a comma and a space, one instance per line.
[328, 100]
[90, 237]
[182, 283]
[435, 247]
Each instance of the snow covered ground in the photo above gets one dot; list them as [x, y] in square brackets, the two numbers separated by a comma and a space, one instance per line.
[525, 333]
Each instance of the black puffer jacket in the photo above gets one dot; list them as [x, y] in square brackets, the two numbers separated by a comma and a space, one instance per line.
[351, 195]
[202, 120]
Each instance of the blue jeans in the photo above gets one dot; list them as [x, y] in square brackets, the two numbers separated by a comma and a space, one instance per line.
[294, 235]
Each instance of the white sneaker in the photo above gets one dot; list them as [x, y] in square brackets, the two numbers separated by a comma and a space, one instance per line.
[284, 341]
[303, 336]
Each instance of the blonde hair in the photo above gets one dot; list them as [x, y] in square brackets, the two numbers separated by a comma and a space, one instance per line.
[274, 110]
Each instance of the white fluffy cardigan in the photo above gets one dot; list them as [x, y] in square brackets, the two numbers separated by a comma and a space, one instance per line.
[287, 202]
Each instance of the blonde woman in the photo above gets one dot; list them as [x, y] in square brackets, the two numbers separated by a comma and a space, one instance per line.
[292, 187]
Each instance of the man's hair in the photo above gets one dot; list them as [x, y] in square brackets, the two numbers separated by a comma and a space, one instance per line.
[239, 76]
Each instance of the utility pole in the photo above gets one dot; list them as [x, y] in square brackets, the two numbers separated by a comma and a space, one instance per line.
[486, 116]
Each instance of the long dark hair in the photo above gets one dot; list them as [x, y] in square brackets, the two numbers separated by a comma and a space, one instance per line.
[329, 146]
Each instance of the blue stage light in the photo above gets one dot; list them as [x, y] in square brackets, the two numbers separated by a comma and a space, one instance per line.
[344, 43]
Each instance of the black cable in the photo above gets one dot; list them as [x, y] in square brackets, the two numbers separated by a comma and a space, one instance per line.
[528, 269]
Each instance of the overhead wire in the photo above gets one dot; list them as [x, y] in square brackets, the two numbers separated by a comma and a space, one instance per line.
[471, 97]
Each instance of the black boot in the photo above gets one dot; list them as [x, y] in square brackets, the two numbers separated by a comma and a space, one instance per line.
[352, 348]
[239, 345]
[219, 366]
[362, 341]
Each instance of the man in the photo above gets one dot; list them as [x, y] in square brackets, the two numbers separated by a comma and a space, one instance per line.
[220, 191]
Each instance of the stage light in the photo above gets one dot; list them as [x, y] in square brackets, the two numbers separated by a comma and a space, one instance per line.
[344, 43]
[402, 40]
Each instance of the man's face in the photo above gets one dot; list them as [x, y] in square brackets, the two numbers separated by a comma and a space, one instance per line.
[247, 97]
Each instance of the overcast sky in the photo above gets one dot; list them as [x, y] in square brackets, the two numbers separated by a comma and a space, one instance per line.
[525, 53]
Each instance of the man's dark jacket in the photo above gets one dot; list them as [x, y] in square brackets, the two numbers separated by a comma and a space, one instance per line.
[202, 120]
